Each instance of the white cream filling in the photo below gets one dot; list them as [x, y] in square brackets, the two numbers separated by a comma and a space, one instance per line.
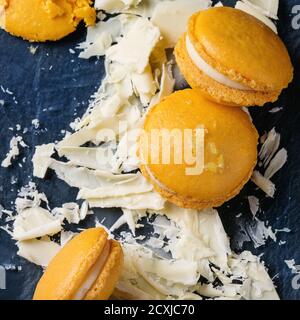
[93, 274]
[209, 70]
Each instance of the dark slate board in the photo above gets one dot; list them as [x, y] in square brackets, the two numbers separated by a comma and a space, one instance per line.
[54, 86]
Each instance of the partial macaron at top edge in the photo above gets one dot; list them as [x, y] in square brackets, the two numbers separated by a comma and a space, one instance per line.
[40, 21]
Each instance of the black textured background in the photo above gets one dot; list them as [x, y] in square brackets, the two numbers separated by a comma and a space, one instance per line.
[54, 86]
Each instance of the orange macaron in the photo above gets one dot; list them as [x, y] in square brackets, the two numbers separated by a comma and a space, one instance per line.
[43, 20]
[233, 58]
[229, 150]
[87, 268]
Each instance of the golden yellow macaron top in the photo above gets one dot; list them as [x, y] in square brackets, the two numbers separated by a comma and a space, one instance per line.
[230, 150]
[70, 268]
[241, 47]
[42, 20]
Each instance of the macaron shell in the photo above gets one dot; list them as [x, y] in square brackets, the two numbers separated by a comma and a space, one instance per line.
[38, 20]
[109, 276]
[214, 90]
[191, 203]
[241, 47]
[229, 128]
[68, 269]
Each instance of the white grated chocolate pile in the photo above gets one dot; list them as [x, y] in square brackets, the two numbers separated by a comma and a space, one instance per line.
[187, 255]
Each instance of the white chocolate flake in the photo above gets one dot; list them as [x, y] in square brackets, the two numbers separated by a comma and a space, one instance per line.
[39, 252]
[171, 17]
[255, 12]
[35, 222]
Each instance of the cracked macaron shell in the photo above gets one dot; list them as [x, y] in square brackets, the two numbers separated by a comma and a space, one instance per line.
[230, 129]
[70, 267]
[39, 20]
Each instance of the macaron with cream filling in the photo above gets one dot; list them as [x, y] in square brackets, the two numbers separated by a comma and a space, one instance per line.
[229, 150]
[87, 268]
[233, 58]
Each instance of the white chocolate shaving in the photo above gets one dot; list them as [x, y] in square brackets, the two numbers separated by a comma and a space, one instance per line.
[14, 151]
[270, 146]
[267, 7]
[167, 84]
[39, 252]
[276, 163]
[148, 200]
[134, 49]
[42, 159]
[115, 6]
[136, 186]
[264, 184]
[172, 17]
[35, 222]
[253, 204]
[253, 11]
